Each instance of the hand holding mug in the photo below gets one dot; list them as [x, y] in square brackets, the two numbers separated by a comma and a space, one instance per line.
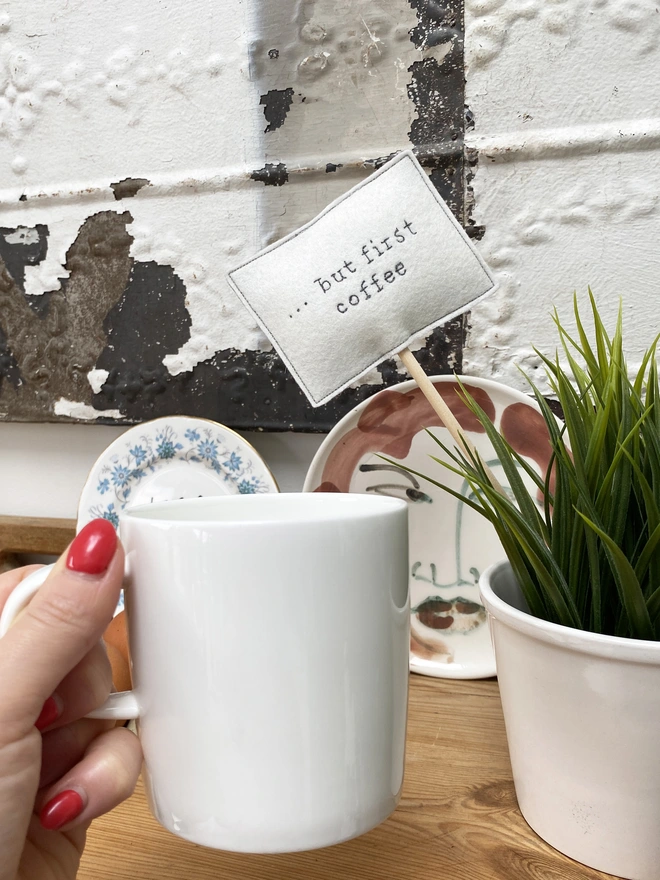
[59, 769]
[269, 640]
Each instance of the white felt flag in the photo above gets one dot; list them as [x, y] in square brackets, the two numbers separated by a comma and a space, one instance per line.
[377, 268]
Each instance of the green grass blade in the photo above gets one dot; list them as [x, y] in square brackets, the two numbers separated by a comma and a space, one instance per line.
[504, 454]
[644, 559]
[630, 590]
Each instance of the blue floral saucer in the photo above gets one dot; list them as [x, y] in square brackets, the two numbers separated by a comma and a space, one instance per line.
[169, 458]
[172, 457]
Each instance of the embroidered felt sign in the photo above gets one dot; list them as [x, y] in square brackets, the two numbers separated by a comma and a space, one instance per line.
[382, 265]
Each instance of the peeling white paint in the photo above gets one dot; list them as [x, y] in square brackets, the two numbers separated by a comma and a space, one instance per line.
[157, 91]
[162, 91]
[173, 231]
[97, 379]
[63, 227]
[565, 99]
[181, 232]
[22, 235]
[82, 411]
[439, 52]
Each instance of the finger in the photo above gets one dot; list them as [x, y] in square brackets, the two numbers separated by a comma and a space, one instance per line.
[62, 748]
[104, 778]
[85, 688]
[11, 579]
[62, 623]
[45, 848]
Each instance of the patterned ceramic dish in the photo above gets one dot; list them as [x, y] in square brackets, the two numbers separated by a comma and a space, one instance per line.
[450, 544]
[168, 458]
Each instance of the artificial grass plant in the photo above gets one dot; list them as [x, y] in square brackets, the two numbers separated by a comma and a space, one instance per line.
[588, 556]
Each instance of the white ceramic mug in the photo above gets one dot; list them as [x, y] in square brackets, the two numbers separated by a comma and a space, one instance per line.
[269, 639]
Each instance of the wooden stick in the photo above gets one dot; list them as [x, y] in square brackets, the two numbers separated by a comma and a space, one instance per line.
[449, 420]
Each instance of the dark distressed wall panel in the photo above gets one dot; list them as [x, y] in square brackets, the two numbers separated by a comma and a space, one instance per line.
[339, 88]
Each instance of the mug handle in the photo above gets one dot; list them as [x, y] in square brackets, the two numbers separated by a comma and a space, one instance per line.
[118, 707]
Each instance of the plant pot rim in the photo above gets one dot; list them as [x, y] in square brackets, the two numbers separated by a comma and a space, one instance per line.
[609, 647]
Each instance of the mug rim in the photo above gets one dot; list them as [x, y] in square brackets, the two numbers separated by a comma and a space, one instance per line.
[305, 508]
[596, 644]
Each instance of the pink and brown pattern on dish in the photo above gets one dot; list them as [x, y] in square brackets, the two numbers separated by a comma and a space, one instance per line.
[525, 430]
[426, 649]
[451, 615]
[393, 418]
[388, 425]
[437, 615]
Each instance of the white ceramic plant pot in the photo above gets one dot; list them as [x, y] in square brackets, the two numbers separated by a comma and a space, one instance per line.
[582, 714]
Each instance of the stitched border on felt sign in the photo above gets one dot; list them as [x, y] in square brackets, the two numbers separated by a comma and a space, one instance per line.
[405, 155]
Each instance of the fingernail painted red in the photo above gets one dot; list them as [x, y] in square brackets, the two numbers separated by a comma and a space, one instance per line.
[93, 548]
[50, 712]
[61, 810]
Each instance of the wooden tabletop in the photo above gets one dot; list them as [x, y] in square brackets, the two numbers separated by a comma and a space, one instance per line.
[458, 818]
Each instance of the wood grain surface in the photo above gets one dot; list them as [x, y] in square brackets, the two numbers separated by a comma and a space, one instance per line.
[20, 535]
[458, 818]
